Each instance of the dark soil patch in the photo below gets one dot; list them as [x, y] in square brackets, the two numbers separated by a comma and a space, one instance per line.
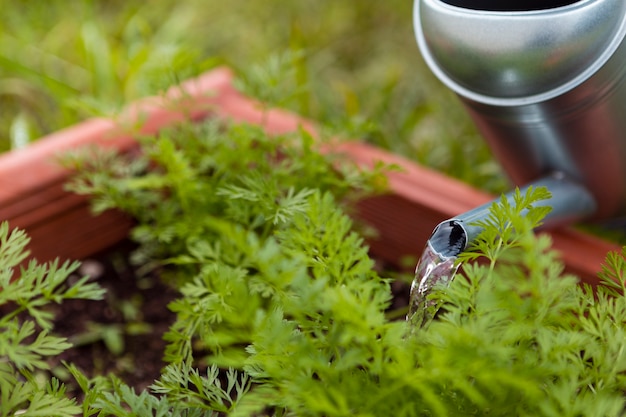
[122, 334]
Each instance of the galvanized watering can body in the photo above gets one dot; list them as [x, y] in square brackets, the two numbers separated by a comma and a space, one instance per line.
[545, 82]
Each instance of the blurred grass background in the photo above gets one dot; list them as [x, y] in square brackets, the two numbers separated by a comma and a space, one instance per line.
[351, 65]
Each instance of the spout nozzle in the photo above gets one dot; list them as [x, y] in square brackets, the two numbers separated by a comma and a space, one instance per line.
[569, 202]
[449, 239]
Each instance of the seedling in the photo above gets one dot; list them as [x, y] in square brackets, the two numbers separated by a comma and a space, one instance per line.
[276, 286]
[26, 338]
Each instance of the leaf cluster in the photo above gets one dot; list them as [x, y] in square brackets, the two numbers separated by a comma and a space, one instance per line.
[61, 68]
[26, 340]
[277, 287]
[194, 176]
[247, 220]
[527, 336]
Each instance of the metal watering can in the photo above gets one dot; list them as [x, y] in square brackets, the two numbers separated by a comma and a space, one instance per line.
[545, 83]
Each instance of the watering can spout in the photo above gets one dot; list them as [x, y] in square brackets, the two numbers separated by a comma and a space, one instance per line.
[569, 203]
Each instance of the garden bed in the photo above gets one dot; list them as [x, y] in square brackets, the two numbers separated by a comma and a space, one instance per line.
[61, 225]
[121, 334]
[32, 197]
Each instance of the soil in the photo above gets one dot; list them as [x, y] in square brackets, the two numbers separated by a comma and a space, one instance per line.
[123, 334]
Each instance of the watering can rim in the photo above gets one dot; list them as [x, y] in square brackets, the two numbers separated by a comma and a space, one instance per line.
[487, 37]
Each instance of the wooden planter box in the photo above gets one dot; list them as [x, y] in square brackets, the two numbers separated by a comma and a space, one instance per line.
[61, 225]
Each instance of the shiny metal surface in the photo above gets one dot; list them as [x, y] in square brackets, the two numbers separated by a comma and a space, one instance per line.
[569, 202]
[547, 88]
[513, 58]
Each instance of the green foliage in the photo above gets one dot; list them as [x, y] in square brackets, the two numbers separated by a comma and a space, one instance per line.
[205, 175]
[509, 225]
[25, 325]
[248, 220]
[354, 66]
[529, 338]
[57, 68]
[277, 288]
[280, 81]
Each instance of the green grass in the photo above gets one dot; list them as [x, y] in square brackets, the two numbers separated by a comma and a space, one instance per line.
[354, 67]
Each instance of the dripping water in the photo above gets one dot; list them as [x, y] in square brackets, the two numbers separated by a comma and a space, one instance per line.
[435, 270]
